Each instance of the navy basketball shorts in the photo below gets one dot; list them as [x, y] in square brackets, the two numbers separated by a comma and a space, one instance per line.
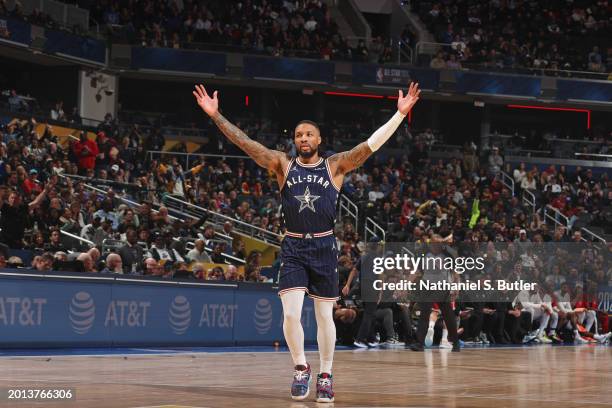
[309, 265]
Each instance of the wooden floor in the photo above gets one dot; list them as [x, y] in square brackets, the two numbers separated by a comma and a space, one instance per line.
[541, 376]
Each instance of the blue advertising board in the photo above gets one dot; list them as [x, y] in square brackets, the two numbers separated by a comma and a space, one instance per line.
[54, 311]
[16, 31]
[90, 49]
[41, 312]
[584, 90]
[289, 69]
[493, 84]
[368, 74]
[170, 59]
[604, 298]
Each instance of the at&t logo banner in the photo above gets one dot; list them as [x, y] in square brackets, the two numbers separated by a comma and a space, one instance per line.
[82, 312]
[179, 315]
[263, 316]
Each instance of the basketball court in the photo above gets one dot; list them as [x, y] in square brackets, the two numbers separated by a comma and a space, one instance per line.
[541, 376]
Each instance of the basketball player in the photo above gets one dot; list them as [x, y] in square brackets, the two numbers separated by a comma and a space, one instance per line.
[309, 190]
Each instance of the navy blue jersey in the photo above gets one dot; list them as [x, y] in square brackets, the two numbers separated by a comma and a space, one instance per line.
[309, 197]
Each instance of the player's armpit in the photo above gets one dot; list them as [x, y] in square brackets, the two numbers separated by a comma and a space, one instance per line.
[344, 162]
[266, 158]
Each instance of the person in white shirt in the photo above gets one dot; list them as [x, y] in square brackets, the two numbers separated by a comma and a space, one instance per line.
[553, 186]
[529, 182]
[198, 253]
[519, 174]
[375, 194]
[540, 312]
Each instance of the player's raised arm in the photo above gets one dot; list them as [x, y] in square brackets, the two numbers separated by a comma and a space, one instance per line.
[344, 162]
[267, 158]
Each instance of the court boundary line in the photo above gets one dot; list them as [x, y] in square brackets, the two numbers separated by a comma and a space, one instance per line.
[170, 352]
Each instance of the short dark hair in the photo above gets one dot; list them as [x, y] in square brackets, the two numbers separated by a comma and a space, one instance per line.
[308, 122]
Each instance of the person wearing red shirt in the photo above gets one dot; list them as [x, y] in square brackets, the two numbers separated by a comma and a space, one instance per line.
[86, 151]
[31, 184]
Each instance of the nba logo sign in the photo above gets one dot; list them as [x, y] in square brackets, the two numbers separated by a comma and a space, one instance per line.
[380, 76]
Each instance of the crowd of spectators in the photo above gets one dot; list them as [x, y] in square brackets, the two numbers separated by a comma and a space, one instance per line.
[43, 198]
[552, 35]
[279, 28]
[36, 17]
[412, 197]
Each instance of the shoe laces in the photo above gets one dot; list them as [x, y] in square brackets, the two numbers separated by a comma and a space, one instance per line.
[325, 382]
[299, 375]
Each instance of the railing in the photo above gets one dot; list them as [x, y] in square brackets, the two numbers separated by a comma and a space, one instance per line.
[594, 236]
[551, 213]
[128, 202]
[604, 156]
[80, 239]
[407, 251]
[372, 229]
[443, 147]
[354, 18]
[529, 152]
[240, 226]
[195, 217]
[507, 181]
[347, 208]
[228, 256]
[429, 48]
[404, 50]
[155, 153]
[133, 204]
[190, 245]
[529, 200]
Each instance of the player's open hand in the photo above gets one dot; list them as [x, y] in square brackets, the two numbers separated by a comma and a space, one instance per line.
[405, 103]
[208, 104]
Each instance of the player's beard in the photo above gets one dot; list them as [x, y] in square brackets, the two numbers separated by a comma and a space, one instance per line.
[309, 154]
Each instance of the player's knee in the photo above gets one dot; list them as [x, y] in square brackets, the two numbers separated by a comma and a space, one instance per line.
[291, 317]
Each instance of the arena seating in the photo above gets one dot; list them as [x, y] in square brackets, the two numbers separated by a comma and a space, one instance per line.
[498, 35]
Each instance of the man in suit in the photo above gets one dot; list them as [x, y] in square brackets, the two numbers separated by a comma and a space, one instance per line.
[131, 254]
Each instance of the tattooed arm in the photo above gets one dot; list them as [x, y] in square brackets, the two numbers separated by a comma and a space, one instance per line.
[348, 161]
[267, 158]
[270, 159]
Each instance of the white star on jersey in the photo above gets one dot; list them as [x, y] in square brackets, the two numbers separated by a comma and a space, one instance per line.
[307, 200]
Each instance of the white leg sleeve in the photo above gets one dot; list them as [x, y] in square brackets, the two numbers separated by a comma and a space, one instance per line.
[544, 318]
[326, 333]
[589, 319]
[554, 320]
[292, 324]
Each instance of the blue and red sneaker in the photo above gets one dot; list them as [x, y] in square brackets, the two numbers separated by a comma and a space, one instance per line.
[325, 388]
[301, 382]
